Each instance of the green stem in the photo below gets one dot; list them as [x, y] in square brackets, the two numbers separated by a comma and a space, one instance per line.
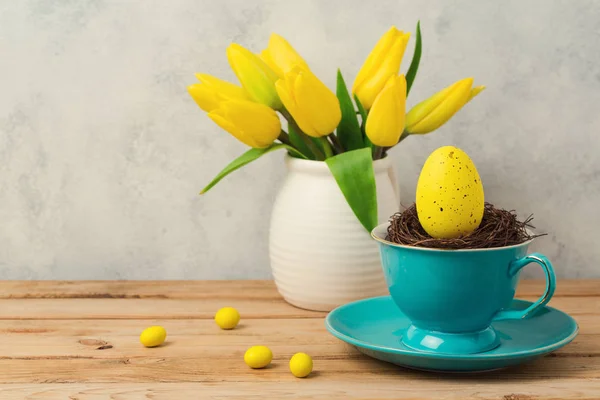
[311, 145]
[307, 140]
[284, 138]
[336, 143]
[404, 135]
[377, 152]
[326, 147]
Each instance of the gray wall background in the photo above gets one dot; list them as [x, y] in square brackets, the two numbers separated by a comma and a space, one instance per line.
[103, 153]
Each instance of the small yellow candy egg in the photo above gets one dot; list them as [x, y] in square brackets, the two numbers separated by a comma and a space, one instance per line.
[258, 356]
[153, 336]
[449, 197]
[301, 365]
[227, 318]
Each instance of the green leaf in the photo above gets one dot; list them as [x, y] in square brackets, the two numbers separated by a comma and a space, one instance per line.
[414, 65]
[363, 116]
[299, 143]
[368, 142]
[353, 172]
[361, 110]
[247, 158]
[348, 131]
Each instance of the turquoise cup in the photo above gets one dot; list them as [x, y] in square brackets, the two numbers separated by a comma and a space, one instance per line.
[453, 296]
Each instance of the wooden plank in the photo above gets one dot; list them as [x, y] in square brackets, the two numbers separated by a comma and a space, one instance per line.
[80, 340]
[116, 339]
[198, 309]
[224, 369]
[72, 339]
[217, 289]
[163, 309]
[263, 290]
[315, 388]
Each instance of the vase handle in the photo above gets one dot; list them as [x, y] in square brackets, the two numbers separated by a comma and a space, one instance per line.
[392, 175]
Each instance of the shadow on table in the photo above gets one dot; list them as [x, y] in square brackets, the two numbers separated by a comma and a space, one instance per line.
[559, 365]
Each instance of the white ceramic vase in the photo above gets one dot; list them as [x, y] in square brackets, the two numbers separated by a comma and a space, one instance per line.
[321, 256]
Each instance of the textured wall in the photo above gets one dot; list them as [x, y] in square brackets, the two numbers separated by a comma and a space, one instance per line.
[102, 152]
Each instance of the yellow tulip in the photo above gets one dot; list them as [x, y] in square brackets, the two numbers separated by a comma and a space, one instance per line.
[254, 75]
[314, 107]
[434, 112]
[475, 91]
[212, 91]
[383, 61]
[280, 56]
[253, 124]
[385, 122]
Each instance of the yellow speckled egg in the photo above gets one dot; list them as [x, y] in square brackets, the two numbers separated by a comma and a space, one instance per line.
[153, 336]
[258, 356]
[449, 198]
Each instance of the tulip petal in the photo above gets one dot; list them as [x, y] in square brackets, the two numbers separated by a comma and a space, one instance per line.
[475, 91]
[421, 110]
[265, 55]
[285, 89]
[449, 106]
[254, 124]
[375, 57]
[432, 113]
[383, 61]
[389, 67]
[255, 120]
[224, 89]
[203, 96]
[319, 104]
[385, 122]
[259, 121]
[282, 55]
[220, 119]
[254, 75]
[286, 94]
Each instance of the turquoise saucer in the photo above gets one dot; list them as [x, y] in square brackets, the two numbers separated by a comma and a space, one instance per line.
[374, 326]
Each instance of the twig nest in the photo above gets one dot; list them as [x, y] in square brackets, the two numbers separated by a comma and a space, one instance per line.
[498, 228]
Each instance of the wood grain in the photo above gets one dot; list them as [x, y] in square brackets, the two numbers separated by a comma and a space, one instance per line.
[220, 289]
[315, 387]
[81, 309]
[32, 339]
[80, 340]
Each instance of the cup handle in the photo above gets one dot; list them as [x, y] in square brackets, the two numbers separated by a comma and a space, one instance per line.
[515, 267]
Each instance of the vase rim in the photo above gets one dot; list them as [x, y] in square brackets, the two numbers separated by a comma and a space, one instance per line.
[315, 166]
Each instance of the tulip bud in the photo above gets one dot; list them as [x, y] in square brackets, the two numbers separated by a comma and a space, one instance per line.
[475, 91]
[253, 124]
[434, 112]
[280, 56]
[254, 75]
[213, 91]
[315, 108]
[385, 122]
[383, 61]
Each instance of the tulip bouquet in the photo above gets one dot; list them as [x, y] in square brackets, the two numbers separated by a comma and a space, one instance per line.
[346, 129]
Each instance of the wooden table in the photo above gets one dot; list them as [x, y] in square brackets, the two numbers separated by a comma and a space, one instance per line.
[80, 340]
